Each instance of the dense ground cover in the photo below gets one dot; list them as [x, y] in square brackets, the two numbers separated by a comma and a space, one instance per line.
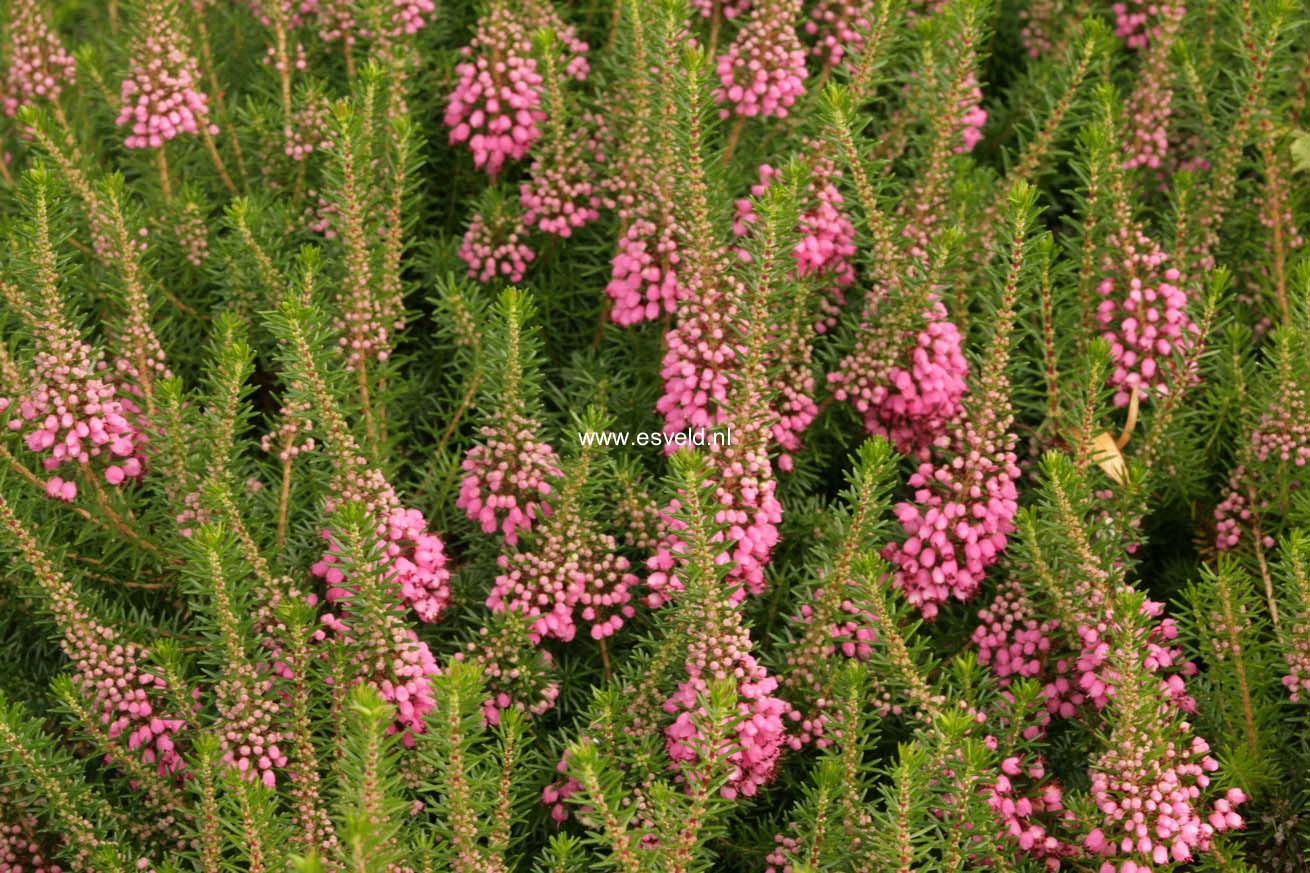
[323, 325]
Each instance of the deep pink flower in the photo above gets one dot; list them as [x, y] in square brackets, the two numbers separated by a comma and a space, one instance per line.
[907, 380]
[644, 280]
[958, 523]
[496, 105]
[1144, 313]
[74, 414]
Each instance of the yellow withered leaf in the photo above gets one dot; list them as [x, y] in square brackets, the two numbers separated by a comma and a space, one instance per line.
[1105, 451]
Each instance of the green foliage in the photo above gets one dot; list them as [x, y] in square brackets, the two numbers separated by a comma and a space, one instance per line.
[281, 304]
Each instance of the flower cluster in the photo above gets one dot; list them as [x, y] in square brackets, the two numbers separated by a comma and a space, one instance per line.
[250, 737]
[570, 571]
[794, 386]
[561, 195]
[1238, 510]
[308, 130]
[293, 435]
[402, 565]
[508, 477]
[701, 351]
[414, 564]
[418, 563]
[496, 105]
[974, 117]
[1025, 816]
[161, 96]
[830, 628]
[1144, 313]
[1297, 656]
[395, 661]
[826, 250]
[1011, 639]
[1150, 105]
[1149, 798]
[407, 15]
[756, 742]
[541, 15]
[1135, 21]
[1283, 432]
[74, 414]
[19, 850]
[906, 381]
[1095, 678]
[729, 9]
[840, 26]
[517, 673]
[554, 794]
[125, 693]
[38, 64]
[390, 656]
[493, 247]
[763, 72]
[192, 234]
[747, 512]
[1039, 19]
[958, 523]
[823, 254]
[335, 20]
[644, 273]
[124, 697]
[827, 245]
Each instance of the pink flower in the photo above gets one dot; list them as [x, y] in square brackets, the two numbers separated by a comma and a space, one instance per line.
[701, 352]
[20, 851]
[415, 564]
[161, 97]
[561, 195]
[907, 381]
[1148, 791]
[764, 70]
[973, 118]
[493, 247]
[39, 65]
[496, 105]
[1144, 313]
[250, 735]
[73, 412]
[840, 26]
[644, 274]
[407, 15]
[567, 571]
[958, 523]
[756, 739]
[508, 477]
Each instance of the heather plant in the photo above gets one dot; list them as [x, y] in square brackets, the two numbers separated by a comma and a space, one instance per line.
[758, 435]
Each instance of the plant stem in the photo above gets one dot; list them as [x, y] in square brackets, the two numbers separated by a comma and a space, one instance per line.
[102, 501]
[284, 496]
[464, 404]
[716, 20]
[605, 660]
[733, 136]
[1265, 577]
[218, 161]
[161, 161]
